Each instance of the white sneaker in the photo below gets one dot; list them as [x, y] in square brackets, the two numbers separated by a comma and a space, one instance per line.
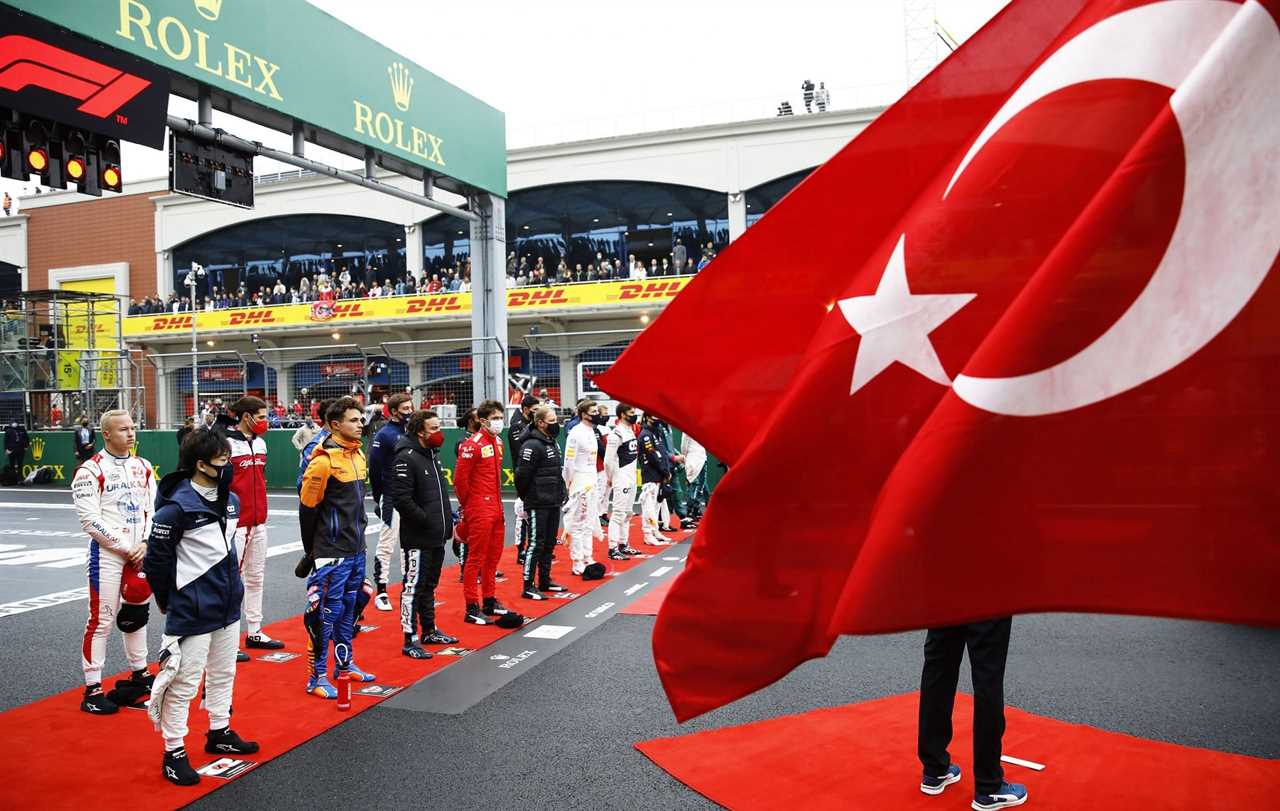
[382, 602]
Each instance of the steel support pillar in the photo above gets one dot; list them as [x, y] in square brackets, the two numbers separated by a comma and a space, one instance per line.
[489, 296]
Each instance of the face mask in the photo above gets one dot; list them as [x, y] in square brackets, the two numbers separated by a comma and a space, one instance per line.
[631, 418]
[600, 419]
[222, 473]
[259, 427]
[435, 440]
[553, 429]
[496, 426]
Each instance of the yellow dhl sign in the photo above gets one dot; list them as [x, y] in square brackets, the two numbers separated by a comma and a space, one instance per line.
[431, 305]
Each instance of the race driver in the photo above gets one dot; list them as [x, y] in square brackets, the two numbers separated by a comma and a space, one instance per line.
[249, 483]
[477, 480]
[580, 452]
[114, 494]
[621, 451]
[332, 517]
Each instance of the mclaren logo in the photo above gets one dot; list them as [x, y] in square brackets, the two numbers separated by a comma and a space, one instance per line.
[25, 62]
[401, 85]
[209, 9]
[37, 449]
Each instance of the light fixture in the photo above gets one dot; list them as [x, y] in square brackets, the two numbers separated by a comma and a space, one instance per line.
[208, 343]
[650, 244]
[526, 227]
[337, 335]
[459, 233]
[595, 219]
[669, 214]
[75, 169]
[644, 319]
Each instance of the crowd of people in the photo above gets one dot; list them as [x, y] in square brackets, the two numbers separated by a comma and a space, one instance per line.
[323, 284]
[195, 541]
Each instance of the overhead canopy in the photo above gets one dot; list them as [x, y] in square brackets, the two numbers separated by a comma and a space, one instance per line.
[286, 61]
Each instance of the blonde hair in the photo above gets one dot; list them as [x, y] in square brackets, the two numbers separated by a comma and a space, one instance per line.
[107, 415]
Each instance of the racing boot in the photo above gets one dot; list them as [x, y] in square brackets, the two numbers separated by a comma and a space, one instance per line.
[554, 588]
[474, 615]
[414, 652]
[356, 674]
[616, 553]
[95, 701]
[320, 686]
[493, 608]
[438, 637]
[177, 769]
[262, 642]
[226, 742]
[530, 593]
[142, 678]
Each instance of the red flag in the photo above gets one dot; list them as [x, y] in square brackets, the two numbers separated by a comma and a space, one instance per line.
[1015, 348]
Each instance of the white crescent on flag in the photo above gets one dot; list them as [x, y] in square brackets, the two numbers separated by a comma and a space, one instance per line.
[1228, 231]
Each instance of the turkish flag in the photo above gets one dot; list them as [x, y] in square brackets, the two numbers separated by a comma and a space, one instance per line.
[1015, 348]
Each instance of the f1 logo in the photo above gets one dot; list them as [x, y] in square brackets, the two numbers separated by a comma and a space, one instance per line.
[26, 62]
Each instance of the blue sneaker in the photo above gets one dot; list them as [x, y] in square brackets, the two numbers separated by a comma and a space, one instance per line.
[320, 686]
[356, 674]
[935, 785]
[1007, 796]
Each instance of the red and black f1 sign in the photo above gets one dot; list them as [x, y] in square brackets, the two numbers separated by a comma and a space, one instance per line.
[48, 72]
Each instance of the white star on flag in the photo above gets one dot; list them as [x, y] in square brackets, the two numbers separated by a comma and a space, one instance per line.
[895, 325]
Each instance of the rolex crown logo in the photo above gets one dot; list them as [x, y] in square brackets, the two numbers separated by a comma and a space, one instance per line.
[401, 85]
[37, 448]
[209, 9]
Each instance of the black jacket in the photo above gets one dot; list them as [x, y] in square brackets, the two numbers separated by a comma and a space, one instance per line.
[515, 433]
[16, 439]
[654, 465]
[417, 488]
[191, 562]
[539, 479]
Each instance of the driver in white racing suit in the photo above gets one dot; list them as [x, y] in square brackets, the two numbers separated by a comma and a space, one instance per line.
[579, 471]
[114, 494]
[621, 451]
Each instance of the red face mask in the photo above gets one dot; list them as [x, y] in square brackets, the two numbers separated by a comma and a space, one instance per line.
[259, 427]
[435, 440]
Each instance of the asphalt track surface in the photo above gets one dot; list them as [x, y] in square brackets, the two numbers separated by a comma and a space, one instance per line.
[560, 735]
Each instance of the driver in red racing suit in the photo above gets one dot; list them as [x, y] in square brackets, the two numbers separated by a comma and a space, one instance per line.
[477, 480]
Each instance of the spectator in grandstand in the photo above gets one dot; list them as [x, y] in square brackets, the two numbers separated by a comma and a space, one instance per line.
[434, 285]
[455, 284]
[387, 288]
[193, 571]
[807, 88]
[653, 269]
[665, 270]
[679, 256]
[304, 287]
[617, 269]
[705, 260]
[822, 98]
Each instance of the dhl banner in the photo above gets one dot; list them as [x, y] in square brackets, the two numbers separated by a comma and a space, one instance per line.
[78, 339]
[401, 308]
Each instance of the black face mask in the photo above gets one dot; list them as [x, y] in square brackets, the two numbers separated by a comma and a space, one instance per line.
[631, 418]
[223, 476]
[600, 419]
[553, 429]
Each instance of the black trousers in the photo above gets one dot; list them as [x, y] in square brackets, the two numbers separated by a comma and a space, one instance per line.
[988, 644]
[543, 524]
[421, 569]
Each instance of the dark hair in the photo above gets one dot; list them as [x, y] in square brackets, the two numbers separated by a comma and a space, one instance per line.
[487, 409]
[339, 408]
[247, 405]
[471, 421]
[397, 400]
[623, 407]
[201, 445]
[419, 419]
[528, 400]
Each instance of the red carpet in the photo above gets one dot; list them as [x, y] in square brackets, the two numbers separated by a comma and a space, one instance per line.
[863, 756]
[59, 756]
[650, 602]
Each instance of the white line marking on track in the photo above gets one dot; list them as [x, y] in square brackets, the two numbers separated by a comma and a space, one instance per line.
[43, 601]
[660, 571]
[635, 588]
[1030, 764]
[550, 632]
